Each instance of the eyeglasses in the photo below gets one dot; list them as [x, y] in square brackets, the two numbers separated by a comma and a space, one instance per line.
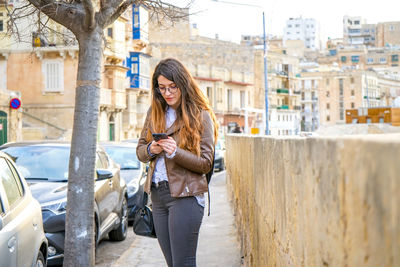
[172, 89]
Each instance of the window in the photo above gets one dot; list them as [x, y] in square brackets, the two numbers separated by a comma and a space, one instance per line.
[352, 105]
[110, 32]
[352, 80]
[209, 93]
[1, 26]
[53, 70]
[328, 118]
[242, 99]
[328, 106]
[370, 60]
[341, 87]
[229, 99]
[11, 183]
[327, 81]
[355, 59]
[343, 58]
[395, 58]
[382, 60]
[327, 94]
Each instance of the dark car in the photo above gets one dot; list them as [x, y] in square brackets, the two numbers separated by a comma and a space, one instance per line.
[219, 160]
[45, 167]
[132, 170]
[22, 240]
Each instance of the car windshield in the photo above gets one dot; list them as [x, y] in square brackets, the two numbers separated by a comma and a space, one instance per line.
[124, 156]
[41, 162]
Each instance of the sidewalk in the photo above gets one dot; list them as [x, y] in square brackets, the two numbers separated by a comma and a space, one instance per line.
[218, 244]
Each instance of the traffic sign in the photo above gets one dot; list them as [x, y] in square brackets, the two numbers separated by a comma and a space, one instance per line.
[15, 103]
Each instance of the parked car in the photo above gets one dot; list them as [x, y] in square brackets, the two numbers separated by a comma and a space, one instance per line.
[132, 170]
[22, 239]
[45, 167]
[219, 160]
[135, 141]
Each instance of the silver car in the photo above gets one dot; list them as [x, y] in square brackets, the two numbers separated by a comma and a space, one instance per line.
[22, 239]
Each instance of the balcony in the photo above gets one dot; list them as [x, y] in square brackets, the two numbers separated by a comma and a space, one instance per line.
[297, 107]
[119, 99]
[297, 92]
[282, 91]
[283, 107]
[105, 97]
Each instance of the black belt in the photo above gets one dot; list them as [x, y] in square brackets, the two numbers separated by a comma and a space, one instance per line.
[161, 183]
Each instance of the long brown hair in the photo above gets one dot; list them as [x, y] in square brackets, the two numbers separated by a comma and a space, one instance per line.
[188, 114]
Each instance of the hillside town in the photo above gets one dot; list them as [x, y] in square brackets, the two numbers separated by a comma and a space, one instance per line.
[310, 82]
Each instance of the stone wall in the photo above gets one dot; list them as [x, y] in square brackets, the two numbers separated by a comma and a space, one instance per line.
[316, 201]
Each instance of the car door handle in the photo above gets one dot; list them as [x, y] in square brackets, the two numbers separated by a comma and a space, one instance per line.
[11, 244]
[35, 224]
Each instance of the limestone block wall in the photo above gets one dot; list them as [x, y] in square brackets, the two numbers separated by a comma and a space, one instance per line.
[316, 201]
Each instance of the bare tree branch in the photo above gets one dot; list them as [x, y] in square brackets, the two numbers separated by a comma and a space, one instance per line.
[89, 16]
[63, 13]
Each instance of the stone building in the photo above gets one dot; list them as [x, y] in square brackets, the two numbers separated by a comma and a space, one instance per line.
[223, 70]
[43, 69]
[305, 29]
[388, 34]
[283, 91]
[336, 90]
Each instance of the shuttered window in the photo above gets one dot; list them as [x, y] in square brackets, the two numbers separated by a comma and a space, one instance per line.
[53, 75]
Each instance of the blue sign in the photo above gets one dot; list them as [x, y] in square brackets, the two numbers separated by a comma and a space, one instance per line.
[15, 103]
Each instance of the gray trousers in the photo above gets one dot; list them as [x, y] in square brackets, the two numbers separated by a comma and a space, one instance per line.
[177, 222]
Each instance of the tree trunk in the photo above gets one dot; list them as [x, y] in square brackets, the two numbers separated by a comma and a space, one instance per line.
[79, 229]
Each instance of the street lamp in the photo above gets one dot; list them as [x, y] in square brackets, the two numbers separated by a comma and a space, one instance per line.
[265, 60]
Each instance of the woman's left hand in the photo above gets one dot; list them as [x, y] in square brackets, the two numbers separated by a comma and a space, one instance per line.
[168, 145]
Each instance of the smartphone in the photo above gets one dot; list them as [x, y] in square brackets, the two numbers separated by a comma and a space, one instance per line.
[158, 136]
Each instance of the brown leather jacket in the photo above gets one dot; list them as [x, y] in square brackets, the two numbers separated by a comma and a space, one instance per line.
[186, 171]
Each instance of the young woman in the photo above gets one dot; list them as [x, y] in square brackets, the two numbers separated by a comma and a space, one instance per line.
[178, 163]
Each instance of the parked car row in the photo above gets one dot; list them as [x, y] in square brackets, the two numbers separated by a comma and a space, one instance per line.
[119, 179]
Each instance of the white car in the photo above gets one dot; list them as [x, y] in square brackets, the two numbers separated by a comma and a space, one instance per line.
[22, 239]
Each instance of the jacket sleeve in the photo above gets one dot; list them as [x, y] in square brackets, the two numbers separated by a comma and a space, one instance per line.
[141, 149]
[200, 164]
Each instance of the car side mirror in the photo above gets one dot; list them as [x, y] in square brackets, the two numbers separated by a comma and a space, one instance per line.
[103, 174]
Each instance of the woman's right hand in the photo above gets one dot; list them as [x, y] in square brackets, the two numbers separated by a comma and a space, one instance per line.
[155, 148]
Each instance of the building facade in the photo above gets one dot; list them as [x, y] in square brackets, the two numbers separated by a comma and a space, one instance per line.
[336, 90]
[223, 70]
[307, 30]
[49, 89]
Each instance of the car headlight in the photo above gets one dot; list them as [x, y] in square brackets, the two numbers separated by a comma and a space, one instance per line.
[57, 207]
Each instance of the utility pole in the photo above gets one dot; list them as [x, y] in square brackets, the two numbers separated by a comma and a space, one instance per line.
[265, 60]
[265, 78]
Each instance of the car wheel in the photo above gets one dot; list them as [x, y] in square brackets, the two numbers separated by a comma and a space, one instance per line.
[40, 262]
[121, 232]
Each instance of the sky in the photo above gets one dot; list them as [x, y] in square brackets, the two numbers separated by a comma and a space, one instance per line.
[230, 21]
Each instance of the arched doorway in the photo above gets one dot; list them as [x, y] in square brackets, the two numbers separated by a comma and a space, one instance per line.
[111, 124]
[3, 127]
